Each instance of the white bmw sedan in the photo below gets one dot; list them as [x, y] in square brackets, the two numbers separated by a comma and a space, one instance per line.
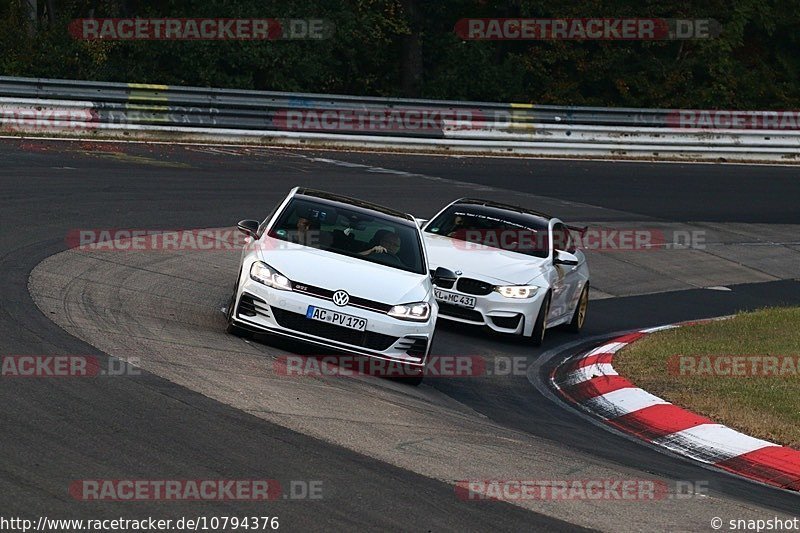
[339, 273]
[518, 271]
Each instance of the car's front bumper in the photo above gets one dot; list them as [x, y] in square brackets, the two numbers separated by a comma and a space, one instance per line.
[501, 314]
[279, 312]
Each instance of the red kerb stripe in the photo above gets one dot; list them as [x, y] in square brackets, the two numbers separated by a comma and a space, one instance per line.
[596, 387]
[658, 420]
[776, 465]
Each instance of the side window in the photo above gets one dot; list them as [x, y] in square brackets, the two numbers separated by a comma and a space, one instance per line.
[560, 237]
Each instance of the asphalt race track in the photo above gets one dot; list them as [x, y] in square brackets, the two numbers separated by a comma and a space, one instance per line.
[184, 419]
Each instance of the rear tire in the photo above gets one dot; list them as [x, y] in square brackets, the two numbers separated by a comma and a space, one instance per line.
[579, 317]
[539, 327]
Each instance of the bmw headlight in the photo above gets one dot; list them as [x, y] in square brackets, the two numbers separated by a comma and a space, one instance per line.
[263, 273]
[419, 311]
[517, 291]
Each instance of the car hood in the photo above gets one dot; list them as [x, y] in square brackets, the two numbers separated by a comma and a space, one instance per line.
[339, 272]
[484, 262]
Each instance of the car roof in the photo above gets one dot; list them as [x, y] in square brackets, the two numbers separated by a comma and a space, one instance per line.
[489, 205]
[354, 204]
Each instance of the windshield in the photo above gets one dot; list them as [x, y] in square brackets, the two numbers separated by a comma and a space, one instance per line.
[354, 233]
[495, 228]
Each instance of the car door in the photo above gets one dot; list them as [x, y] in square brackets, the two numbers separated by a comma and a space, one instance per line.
[567, 280]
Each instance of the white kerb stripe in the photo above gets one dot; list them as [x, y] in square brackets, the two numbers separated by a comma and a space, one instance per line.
[659, 328]
[623, 401]
[725, 441]
[611, 347]
[588, 372]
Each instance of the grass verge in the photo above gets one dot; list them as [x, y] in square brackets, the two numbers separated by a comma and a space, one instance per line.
[736, 392]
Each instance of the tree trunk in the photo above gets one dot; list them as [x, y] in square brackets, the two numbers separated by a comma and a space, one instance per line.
[32, 15]
[51, 12]
[411, 63]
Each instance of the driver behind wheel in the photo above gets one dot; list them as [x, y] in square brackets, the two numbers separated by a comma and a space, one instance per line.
[389, 244]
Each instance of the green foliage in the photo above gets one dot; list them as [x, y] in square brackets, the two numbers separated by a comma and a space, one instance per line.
[753, 63]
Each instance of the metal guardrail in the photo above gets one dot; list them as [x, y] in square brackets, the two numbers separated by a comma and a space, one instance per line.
[146, 111]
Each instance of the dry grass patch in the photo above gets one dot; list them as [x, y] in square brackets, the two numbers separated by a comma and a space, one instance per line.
[764, 406]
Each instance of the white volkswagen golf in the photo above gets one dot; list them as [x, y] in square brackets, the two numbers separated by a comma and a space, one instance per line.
[518, 271]
[338, 273]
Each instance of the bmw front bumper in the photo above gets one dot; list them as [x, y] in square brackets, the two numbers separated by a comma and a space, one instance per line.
[501, 314]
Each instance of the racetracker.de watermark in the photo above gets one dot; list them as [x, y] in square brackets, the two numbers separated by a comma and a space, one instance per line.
[398, 119]
[41, 119]
[583, 29]
[159, 240]
[121, 490]
[65, 366]
[578, 489]
[591, 239]
[200, 29]
[733, 120]
[437, 366]
[734, 366]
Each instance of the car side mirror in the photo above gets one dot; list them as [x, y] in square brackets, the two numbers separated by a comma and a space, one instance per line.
[249, 227]
[565, 258]
[443, 274]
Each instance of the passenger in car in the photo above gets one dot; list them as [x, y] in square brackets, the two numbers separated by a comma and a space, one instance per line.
[307, 232]
[302, 233]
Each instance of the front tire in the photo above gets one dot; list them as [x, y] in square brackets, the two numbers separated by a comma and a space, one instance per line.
[413, 376]
[539, 327]
[231, 326]
[579, 317]
[414, 381]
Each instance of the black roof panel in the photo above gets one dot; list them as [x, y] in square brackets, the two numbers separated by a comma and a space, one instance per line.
[488, 207]
[355, 204]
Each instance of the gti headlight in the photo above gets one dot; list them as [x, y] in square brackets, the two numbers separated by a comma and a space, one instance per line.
[517, 291]
[263, 273]
[417, 311]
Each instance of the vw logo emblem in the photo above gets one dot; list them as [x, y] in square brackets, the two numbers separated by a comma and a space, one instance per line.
[341, 298]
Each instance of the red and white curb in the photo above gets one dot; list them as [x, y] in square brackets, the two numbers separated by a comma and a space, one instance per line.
[591, 382]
